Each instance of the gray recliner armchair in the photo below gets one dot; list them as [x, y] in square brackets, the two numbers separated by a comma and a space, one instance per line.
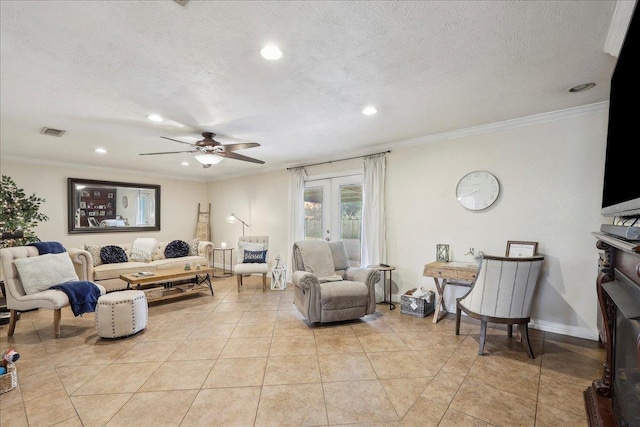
[325, 288]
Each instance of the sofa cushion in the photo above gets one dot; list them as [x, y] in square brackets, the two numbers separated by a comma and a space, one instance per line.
[143, 249]
[113, 271]
[39, 273]
[176, 249]
[255, 257]
[169, 263]
[112, 254]
[94, 250]
[343, 294]
[193, 246]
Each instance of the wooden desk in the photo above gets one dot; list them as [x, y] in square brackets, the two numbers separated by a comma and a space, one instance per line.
[444, 273]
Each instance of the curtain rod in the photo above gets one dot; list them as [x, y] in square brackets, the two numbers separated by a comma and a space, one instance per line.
[341, 160]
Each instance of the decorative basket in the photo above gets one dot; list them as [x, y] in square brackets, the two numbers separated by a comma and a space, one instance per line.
[417, 307]
[9, 381]
[153, 293]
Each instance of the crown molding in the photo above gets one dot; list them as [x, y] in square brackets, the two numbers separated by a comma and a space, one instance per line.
[619, 24]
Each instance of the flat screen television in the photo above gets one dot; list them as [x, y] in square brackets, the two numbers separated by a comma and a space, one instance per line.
[621, 192]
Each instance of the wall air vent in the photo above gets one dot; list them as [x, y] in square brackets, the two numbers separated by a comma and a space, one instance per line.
[52, 132]
[182, 2]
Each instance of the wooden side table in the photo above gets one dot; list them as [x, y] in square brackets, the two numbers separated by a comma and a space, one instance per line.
[384, 269]
[444, 273]
[225, 272]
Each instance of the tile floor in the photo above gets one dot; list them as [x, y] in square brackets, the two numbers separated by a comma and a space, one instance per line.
[245, 359]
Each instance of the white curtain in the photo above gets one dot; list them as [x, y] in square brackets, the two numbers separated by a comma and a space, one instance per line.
[297, 177]
[373, 215]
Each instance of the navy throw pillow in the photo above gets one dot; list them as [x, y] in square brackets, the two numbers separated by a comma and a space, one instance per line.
[255, 257]
[112, 254]
[176, 249]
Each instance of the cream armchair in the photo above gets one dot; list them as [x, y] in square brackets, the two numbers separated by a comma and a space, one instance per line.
[502, 293]
[18, 300]
[325, 288]
[251, 243]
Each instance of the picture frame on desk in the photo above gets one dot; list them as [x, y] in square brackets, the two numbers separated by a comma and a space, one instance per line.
[518, 249]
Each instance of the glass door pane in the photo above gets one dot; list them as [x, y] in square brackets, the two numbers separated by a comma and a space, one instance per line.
[314, 212]
[350, 209]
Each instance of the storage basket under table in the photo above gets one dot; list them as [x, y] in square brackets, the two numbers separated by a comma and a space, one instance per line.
[9, 381]
[417, 307]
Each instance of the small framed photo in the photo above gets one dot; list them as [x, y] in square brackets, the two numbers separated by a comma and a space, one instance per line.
[96, 194]
[102, 213]
[517, 249]
[92, 213]
[86, 194]
[110, 195]
[83, 205]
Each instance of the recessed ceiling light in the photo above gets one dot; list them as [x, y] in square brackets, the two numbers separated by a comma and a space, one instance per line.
[582, 87]
[154, 118]
[271, 52]
[369, 111]
[100, 150]
[184, 164]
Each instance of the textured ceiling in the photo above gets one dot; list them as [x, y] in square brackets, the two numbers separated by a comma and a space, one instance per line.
[97, 68]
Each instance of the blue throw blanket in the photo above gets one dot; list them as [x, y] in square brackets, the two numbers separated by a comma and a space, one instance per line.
[83, 296]
[48, 247]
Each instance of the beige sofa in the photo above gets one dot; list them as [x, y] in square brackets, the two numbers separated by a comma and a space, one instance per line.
[108, 275]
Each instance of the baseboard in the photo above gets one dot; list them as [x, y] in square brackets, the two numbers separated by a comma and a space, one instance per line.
[542, 325]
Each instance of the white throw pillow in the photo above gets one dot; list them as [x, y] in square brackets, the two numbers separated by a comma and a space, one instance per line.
[143, 248]
[247, 246]
[39, 273]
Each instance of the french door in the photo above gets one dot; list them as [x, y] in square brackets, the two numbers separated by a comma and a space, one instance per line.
[333, 211]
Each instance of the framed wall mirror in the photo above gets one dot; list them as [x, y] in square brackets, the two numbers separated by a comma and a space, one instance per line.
[109, 206]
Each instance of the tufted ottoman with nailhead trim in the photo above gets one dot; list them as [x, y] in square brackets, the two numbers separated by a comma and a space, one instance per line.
[122, 313]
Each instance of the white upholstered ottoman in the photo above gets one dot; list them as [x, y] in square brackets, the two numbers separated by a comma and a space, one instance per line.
[121, 313]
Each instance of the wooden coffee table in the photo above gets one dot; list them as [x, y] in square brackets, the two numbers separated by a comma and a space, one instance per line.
[165, 278]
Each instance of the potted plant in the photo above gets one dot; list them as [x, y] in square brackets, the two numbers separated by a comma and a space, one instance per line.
[19, 215]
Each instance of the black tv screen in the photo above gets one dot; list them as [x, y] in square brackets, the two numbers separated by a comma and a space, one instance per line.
[621, 193]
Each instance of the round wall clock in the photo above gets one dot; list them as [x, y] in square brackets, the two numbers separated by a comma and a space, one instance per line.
[125, 201]
[477, 190]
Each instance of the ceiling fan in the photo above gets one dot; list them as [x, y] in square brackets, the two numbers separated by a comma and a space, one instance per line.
[212, 152]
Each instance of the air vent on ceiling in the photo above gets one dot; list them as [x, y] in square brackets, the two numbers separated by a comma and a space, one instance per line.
[52, 132]
[182, 2]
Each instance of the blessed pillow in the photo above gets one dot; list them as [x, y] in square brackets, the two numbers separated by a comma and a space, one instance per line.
[193, 246]
[176, 249]
[39, 273]
[255, 257]
[242, 246]
[94, 250]
[112, 254]
[143, 248]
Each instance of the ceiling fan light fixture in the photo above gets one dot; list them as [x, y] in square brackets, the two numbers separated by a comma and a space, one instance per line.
[209, 159]
[271, 52]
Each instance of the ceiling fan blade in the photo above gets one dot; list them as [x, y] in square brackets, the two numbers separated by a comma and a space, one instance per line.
[232, 155]
[240, 146]
[168, 152]
[175, 140]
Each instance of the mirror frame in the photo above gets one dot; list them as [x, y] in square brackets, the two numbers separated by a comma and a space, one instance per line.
[72, 206]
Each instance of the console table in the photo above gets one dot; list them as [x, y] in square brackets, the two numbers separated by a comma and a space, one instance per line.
[449, 273]
[618, 289]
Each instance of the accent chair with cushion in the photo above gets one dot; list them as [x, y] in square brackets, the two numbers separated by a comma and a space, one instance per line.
[252, 258]
[27, 278]
[325, 288]
[502, 293]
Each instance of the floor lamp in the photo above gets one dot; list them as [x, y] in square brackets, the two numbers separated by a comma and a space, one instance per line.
[232, 219]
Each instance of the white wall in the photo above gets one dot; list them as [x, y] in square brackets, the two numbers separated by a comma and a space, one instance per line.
[178, 208]
[551, 182]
